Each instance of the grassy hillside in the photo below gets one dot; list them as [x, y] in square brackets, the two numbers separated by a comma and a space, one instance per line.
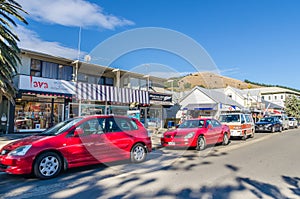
[208, 80]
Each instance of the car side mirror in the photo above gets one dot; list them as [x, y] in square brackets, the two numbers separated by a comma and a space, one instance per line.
[78, 132]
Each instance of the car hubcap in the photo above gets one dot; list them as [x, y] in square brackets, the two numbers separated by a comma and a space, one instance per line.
[225, 139]
[49, 166]
[139, 153]
[201, 143]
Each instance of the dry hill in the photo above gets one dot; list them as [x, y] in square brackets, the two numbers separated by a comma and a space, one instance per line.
[211, 80]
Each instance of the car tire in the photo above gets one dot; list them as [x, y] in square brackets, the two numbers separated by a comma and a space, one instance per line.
[201, 143]
[252, 134]
[244, 137]
[272, 129]
[47, 165]
[225, 139]
[138, 153]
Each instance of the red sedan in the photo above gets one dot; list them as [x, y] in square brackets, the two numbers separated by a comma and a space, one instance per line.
[77, 142]
[197, 133]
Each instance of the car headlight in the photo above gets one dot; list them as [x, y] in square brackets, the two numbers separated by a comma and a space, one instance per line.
[189, 135]
[20, 151]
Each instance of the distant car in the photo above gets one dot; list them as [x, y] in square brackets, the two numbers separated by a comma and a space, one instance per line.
[293, 123]
[77, 142]
[284, 120]
[197, 133]
[240, 124]
[271, 124]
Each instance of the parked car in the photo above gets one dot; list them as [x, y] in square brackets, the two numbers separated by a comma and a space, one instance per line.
[240, 124]
[271, 124]
[284, 120]
[197, 133]
[77, 142]
[293, 123]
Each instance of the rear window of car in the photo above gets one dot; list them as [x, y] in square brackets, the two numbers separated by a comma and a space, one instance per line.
[230, 118]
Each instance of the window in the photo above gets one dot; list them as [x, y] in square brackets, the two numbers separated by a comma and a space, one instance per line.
[269, 97]
[50, 70]
[65, 72]
[242, 119]
[248, 118]
[106, 81]
[35, 68]
[282, 97]
[215, 123]
[275, 97]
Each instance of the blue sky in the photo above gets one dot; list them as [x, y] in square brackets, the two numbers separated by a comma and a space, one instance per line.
[258, 40]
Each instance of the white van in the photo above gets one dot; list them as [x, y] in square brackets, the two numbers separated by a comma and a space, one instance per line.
[240, 124]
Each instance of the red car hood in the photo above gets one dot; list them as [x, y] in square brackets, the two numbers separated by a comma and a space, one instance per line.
[181, 131]
[25, 141]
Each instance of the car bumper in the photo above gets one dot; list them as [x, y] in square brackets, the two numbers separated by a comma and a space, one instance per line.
[236, 133]
[264, 128]
[15, 165]
[178, 142]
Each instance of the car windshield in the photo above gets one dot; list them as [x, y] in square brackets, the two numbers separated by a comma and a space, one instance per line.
[229, 118]
[267, 119]
[292, 119]
[192, 124]
[60, 127]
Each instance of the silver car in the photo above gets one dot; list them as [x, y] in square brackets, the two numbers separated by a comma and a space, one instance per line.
[293, 123]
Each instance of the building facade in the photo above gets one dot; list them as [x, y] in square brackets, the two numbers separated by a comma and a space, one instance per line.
[52, 89]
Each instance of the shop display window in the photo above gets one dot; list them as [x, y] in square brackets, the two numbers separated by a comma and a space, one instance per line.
[31, 115]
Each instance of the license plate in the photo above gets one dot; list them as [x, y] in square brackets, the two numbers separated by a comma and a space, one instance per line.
[261, 128]
[171, 143]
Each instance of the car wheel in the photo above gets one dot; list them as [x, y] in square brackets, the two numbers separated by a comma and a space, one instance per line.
[138, 153]
[252, 134]
[201, 143]
[273, 129]
[47, 165]
[244, 137]
[225, 139]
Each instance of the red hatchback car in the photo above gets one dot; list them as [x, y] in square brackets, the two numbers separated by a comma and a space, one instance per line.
[197, 133]
[77, 142]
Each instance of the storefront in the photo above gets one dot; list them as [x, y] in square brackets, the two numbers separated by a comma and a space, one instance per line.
[156, 113]
[40, 103]
[101, 99]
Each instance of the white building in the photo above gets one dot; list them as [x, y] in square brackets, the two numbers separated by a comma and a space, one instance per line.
[275, 95]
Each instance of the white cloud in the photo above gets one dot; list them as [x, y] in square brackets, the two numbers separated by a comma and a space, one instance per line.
[72, 13]
[31, 41]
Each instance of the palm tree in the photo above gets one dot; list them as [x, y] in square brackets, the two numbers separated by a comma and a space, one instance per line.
[9, 49]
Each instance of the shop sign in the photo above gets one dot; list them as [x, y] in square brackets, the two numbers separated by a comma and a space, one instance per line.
[46, 85]
[160, 97]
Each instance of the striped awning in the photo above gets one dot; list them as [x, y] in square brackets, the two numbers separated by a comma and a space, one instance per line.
[95, 92]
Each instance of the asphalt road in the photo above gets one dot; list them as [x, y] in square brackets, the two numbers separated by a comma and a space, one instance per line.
[264, 167]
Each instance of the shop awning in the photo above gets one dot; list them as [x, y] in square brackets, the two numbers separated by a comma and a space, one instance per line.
[201, 107]
[95, 92]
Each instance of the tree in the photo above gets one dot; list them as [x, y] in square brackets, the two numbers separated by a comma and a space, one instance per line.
[292, 106]
[9, 50]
